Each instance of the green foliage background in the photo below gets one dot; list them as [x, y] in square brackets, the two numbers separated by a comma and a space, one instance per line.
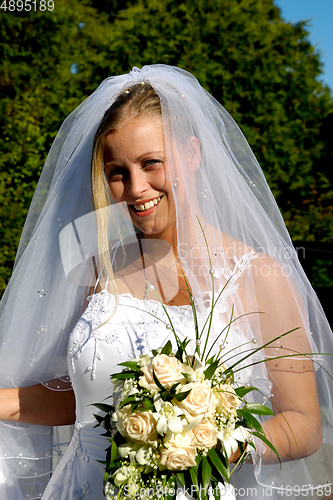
[262, 69]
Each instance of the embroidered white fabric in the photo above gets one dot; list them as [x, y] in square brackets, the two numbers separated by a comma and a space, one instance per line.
[225, 189]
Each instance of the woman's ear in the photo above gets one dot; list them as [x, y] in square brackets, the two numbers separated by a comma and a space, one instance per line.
[194, 153]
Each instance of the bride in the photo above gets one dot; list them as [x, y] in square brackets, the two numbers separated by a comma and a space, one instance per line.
[150, 186]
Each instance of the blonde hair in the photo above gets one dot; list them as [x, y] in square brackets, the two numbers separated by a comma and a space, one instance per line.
[138, 100]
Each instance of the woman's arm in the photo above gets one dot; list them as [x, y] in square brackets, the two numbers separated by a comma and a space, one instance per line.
[295, 431]
[37, 405]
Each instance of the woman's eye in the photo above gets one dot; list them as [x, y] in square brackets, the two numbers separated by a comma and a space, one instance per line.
[114, 175]
[152, 163]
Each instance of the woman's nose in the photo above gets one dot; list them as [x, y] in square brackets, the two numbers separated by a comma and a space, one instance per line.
[137, 183]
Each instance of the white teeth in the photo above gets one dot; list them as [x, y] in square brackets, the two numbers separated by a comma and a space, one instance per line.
[147, 205]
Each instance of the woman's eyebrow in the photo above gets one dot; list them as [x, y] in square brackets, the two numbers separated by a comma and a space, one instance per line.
[118, 163]
[148, 153]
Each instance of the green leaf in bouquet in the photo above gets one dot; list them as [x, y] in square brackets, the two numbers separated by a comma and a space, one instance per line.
[158, 383]
[133, 365]
[146, 405]
[136, 406]
[104, 422]
[127, 401]
[108, 454]
[209, 372]
[182, 395]
[118, 438]
[194, 475]
[210, 360]
[220, 463]
[188, 479]
[216, 474]
[165, 395]
[242, 391]
[104, 407]
[106, 477]
[114, 451]
[167, 349]
[99, 419]
[181, 349]
[259, 409]
[266, 441]
[124, 375]
[186, 376]
[172, 390]
[205, 471]
[181, 478]
[250, 420]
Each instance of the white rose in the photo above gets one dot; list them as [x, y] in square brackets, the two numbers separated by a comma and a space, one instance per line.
[227, 399]
[179, 453]
[200, 400]
[137, 426]
[122, 475]
[168, 370]
[205, 435]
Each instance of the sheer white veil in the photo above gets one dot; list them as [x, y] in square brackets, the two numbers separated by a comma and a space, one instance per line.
[223, 204]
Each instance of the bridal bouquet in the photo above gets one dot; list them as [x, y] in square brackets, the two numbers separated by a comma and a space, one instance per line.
[175, 422]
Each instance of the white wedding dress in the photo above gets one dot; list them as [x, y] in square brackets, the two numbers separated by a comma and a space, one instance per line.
[97, 344]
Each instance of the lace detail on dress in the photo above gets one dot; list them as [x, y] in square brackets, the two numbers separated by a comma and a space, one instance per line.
[97, 313]
[76, 446]
[71, 494]
[241, 264]
[147, 330]
[66, 490]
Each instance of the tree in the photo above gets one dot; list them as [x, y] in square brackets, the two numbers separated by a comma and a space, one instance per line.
[262, 69]
[40, 84]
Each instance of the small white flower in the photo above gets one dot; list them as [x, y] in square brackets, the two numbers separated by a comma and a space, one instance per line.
[167, 417]
[240, 434]
[144, 360]
[125, 448]
[152, 388]
[142, 456]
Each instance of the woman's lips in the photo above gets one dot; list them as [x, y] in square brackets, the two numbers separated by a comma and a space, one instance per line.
[146, 212]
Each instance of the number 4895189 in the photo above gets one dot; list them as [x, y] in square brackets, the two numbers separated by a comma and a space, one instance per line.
[27, 5]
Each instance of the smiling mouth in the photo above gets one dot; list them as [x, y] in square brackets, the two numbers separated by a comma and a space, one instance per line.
[146, 206]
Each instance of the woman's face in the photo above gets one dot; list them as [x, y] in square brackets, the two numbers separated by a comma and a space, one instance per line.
[136, 169]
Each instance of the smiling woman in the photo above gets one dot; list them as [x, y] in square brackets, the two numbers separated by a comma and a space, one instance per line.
[136, 168]
[152, 201]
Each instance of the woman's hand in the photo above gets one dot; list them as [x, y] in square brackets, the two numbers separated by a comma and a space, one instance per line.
[37, 405]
